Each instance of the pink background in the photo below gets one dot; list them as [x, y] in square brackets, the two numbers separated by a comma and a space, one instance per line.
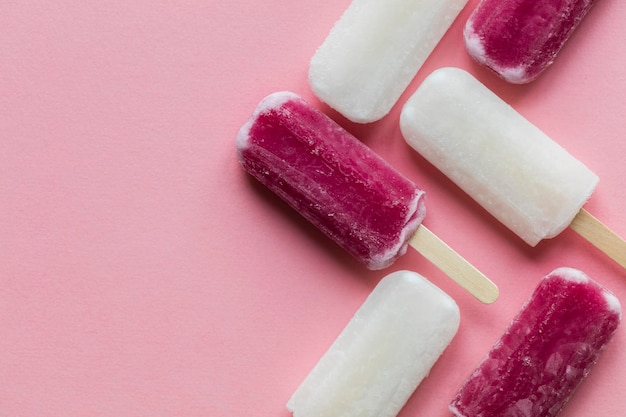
[144, 274]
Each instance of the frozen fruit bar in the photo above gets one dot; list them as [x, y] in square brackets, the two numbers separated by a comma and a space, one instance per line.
[332, 179]
[344, 188]
[509, 166]
[546, 352]
[518, 39]
[513, 169]
[373, 52]
[383, 353]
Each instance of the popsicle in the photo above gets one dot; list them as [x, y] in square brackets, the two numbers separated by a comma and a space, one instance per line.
[374, 51]
[384, 352]
[508, 165]
[546, 352]
[518, 39]
[344, 188]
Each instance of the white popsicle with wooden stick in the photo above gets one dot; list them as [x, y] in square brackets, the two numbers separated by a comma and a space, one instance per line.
[345, 189]
[384, 352]
[508, 165]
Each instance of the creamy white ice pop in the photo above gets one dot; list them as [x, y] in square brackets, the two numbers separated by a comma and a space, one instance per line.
[508, 165]
[383, 353]
[547, 351]
[344, 188]
[374, 51]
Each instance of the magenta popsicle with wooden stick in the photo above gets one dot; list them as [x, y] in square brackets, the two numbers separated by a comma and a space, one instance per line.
[547, 351]
[518, 39]
[344, 188]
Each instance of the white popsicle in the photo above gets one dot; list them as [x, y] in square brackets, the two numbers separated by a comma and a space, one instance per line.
[384, 352]
[508, 165]
[373, 52]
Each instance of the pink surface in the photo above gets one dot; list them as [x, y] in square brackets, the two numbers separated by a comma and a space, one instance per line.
[143, 273]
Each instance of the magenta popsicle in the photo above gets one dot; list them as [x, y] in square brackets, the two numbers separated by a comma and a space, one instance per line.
[546, 352]
[334, 181]
[518, 39]
[344, 188]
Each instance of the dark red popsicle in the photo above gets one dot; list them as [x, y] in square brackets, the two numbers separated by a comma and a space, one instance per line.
[546, 352]
[331, 178]
[518, 39]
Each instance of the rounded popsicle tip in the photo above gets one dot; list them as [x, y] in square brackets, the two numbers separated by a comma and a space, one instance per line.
[357, 111]
[476, 49]
[579, 277]
[446, 74]
[275, 100]
[444, 79]
[520, 52]
[271, 101]
[513, 75]
[473, 44]
[571, 274]
[333, 81]
[243, 137]
[408, 281]
[613, 303]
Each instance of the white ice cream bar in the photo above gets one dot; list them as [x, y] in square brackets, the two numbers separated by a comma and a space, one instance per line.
[373, 52]
[508, 165]
[384, 352]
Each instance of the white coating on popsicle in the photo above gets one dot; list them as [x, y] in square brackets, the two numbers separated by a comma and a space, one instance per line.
[508, 165]
[417, 210]
[373, 52]
[572, 274]
[475, 48]
[269, 102]
[383, 353]
[613, 302]
[575, 275]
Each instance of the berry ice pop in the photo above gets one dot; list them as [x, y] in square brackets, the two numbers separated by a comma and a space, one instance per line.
[518, 39]
[383, 353]
[344, 188]
[509, 166]
[546, 352]
[373, 52]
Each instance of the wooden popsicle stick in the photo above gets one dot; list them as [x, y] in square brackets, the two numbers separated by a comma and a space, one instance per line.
[454, 265]
[600, 236]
